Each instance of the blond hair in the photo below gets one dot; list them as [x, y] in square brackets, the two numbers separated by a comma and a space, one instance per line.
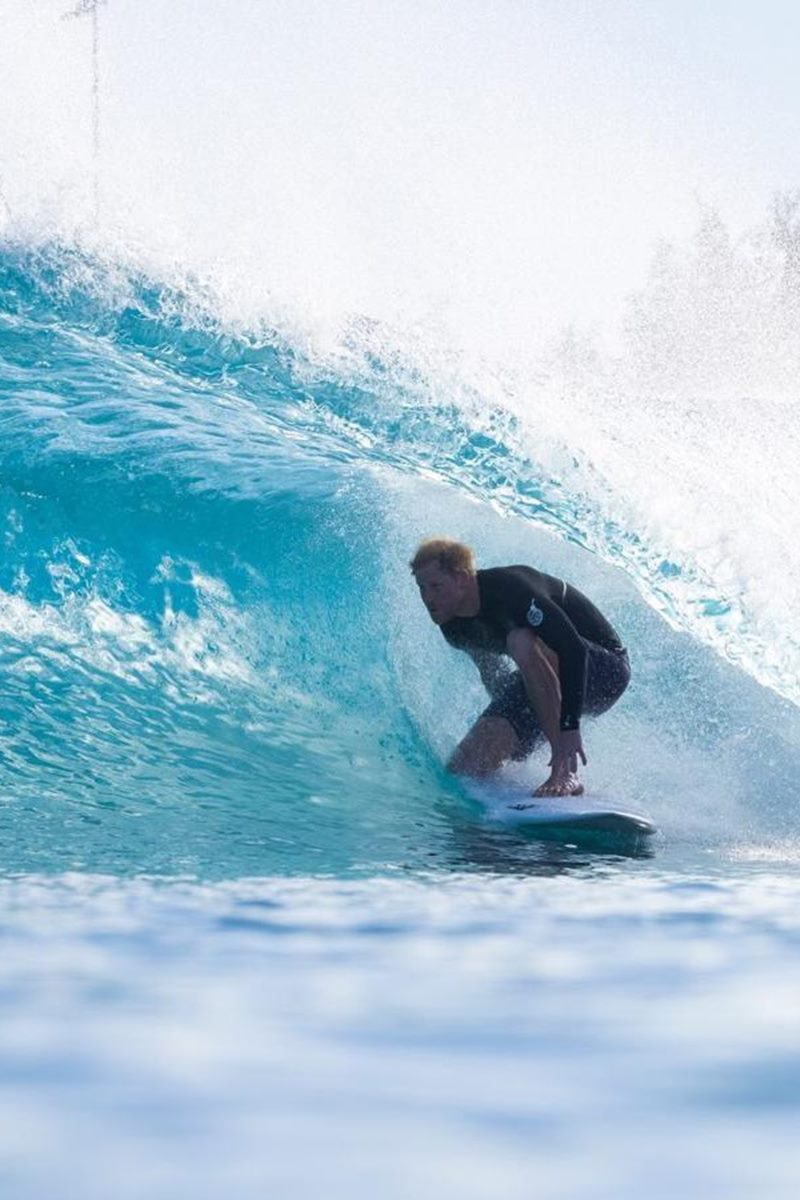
[450, 556]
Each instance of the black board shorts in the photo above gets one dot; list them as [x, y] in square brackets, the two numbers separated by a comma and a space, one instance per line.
[608, 673]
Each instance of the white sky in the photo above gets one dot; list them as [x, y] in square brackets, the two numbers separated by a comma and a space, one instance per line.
[500, 166]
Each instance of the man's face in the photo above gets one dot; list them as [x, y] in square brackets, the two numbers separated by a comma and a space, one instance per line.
[441, 592]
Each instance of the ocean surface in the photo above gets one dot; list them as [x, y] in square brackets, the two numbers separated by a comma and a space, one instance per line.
[254, 940]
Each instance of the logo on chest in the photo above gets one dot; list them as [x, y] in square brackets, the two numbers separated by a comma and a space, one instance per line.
[535, 615]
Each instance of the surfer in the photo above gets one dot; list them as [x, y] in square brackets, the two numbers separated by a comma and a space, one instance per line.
[569, 659]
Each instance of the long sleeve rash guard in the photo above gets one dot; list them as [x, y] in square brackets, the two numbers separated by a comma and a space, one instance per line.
[519, 597]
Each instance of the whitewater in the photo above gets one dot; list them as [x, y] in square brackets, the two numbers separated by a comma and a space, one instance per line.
[255, 939]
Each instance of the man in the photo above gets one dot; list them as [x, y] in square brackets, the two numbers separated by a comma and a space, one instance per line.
[569, 659]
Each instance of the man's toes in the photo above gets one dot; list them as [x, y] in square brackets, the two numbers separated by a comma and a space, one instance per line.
[566, 787]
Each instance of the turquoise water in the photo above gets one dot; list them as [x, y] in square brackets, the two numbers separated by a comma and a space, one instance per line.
[254, 938]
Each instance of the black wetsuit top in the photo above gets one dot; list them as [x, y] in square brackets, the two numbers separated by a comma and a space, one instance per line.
[522, 598]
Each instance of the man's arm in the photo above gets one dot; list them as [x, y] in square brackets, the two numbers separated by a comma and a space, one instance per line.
[544, 691]
[541, 680]
[553, 626]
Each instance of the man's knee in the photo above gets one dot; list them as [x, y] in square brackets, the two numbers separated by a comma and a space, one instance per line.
[460, 763]
[490, 743]
[469, 761]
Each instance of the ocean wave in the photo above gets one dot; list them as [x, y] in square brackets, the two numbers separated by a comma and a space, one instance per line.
[196, 603]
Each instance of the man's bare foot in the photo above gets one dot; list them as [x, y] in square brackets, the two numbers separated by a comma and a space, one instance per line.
[567, 785]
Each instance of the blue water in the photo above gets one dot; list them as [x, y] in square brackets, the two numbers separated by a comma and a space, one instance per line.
[254, 938]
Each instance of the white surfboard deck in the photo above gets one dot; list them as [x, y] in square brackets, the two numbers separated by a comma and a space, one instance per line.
[557, 816]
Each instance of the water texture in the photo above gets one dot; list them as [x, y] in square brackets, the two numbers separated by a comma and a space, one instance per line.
[245, 912]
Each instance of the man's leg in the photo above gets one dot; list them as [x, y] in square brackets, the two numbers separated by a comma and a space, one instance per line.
[493, 739]
[490, 743]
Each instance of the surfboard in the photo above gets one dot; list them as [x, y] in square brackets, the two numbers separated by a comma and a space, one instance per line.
[598, 820]
[584, 820]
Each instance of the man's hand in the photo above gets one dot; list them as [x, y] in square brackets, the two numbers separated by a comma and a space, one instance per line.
[566, 752]
[563, 779]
